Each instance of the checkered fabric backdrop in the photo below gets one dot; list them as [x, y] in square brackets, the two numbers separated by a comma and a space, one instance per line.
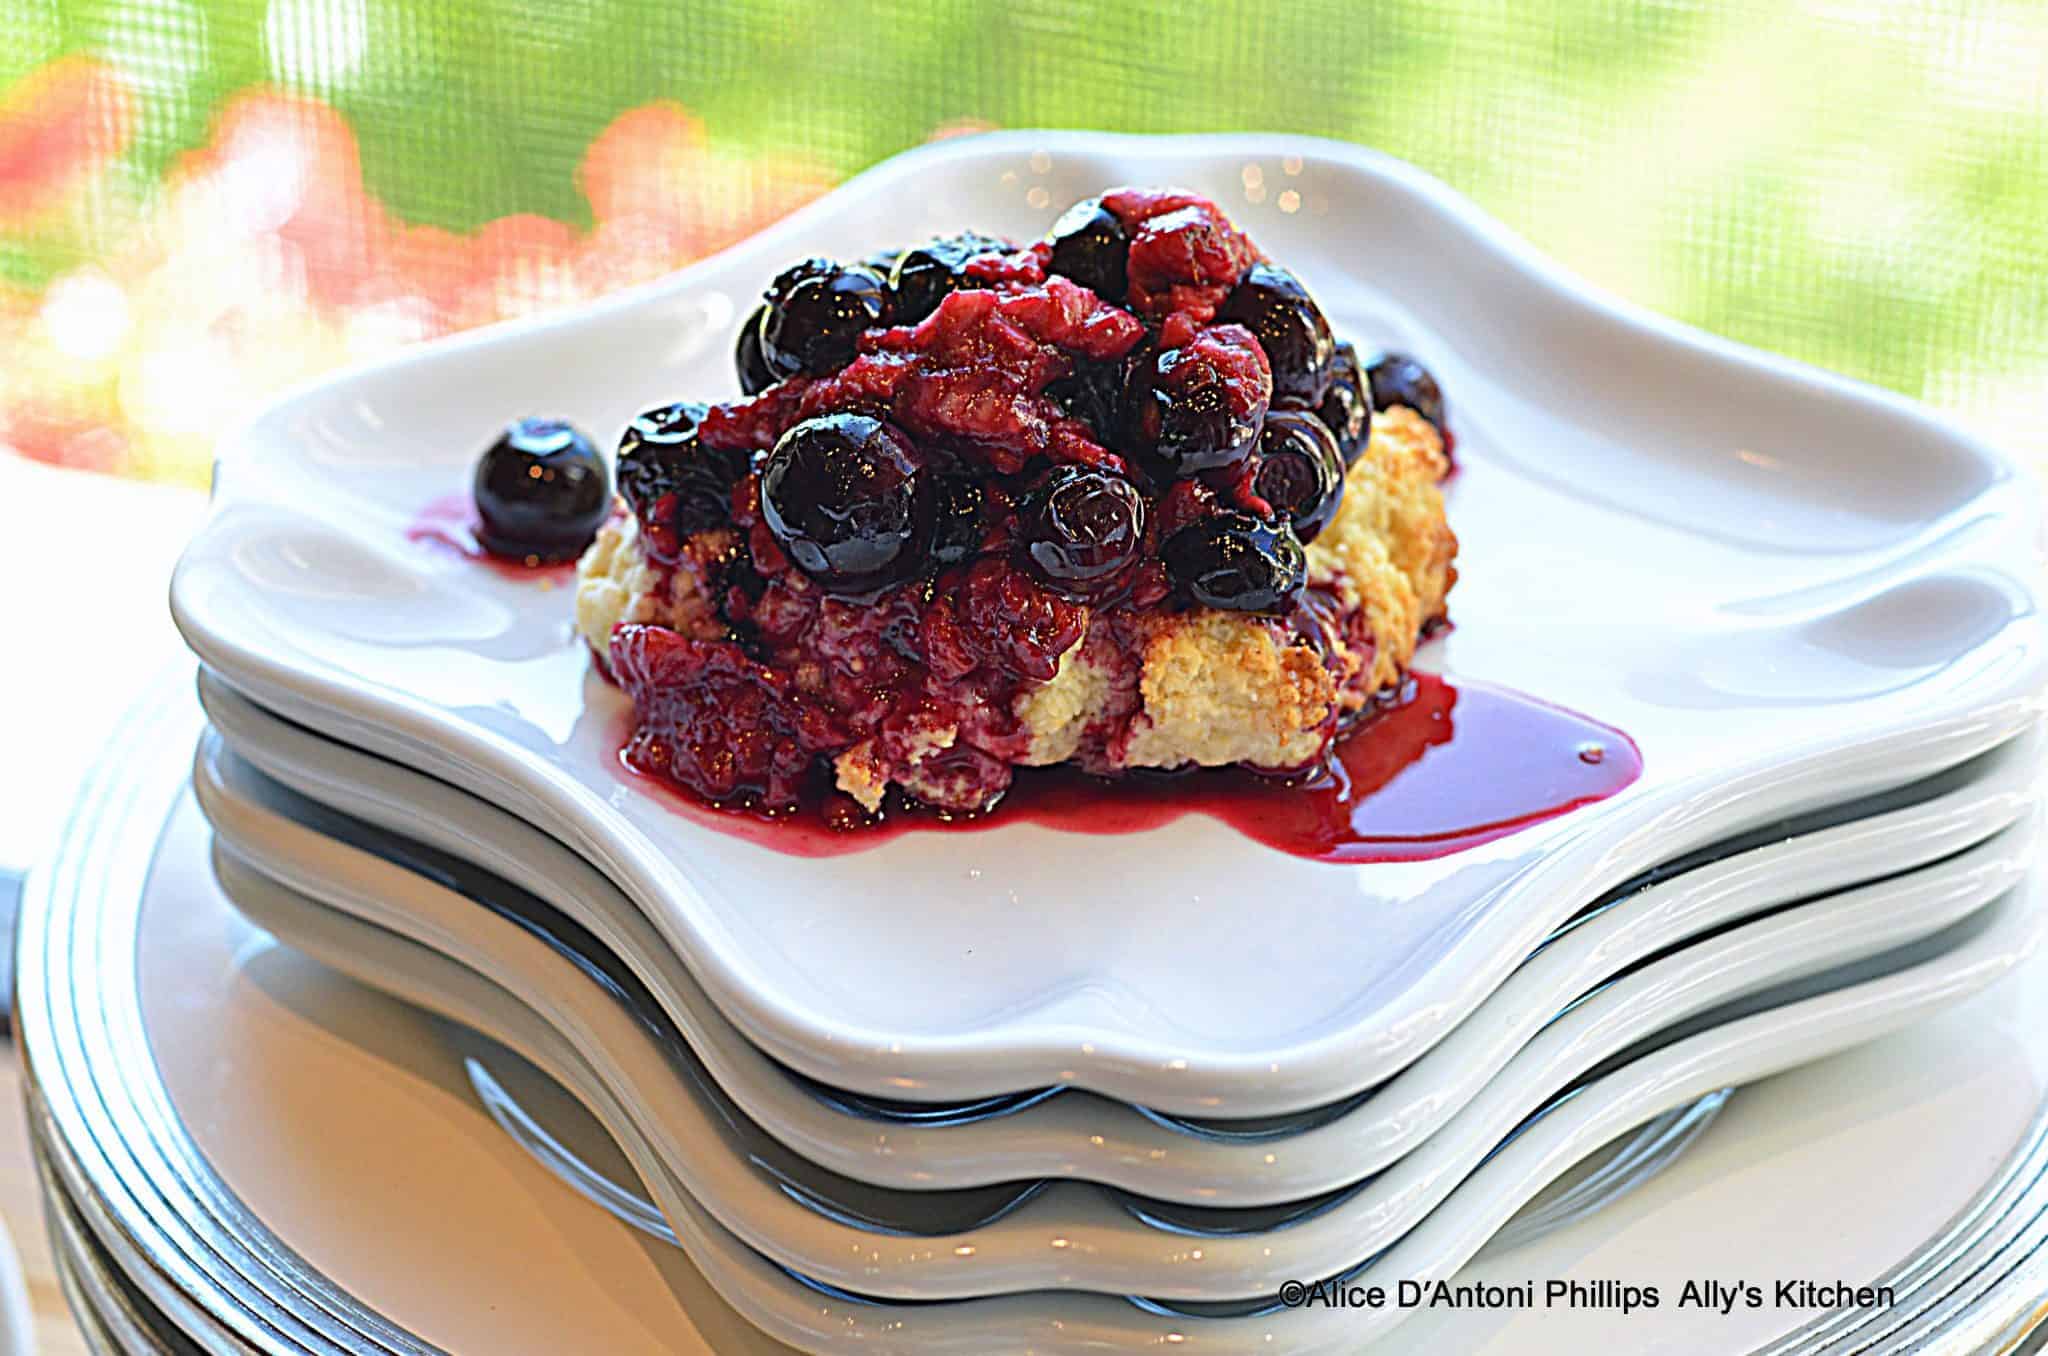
[201, 200]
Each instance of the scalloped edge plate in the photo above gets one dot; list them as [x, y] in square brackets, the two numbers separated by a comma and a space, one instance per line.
[1788, 588]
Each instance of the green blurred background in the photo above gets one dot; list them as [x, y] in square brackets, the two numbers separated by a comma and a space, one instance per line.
[280, 186]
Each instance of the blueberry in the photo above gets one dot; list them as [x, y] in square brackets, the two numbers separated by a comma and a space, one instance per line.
[668, 479]
[922, 277]
[846, 498]
[958, 530]
[1301, 471]
[881, 262]
[1271, 303]
[747, 357]
[1235, 562]
[816, 313]
[541, 491]
[1090, 246]
[1398, 379]
[1081, 529]
[1187, 413]
[1093, 394]
[1346, 407]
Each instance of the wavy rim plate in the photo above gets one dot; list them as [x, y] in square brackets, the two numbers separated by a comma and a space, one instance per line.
[818, 1312]
[925, 1245]
[1969, 1279]
[1894, 631]
[1069, 1134]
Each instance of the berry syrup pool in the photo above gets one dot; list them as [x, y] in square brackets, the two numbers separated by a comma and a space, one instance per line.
[1448, 767]
[449, 523]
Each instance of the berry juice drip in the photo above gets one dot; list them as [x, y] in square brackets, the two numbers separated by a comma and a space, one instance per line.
[1449, 768]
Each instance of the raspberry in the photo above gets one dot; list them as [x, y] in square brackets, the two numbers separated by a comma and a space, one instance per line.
[716, 721]
[1001, 617]
[1185, 255]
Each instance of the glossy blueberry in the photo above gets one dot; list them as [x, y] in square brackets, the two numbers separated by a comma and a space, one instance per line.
[846, 498]
[816, 313]
[923, 276]
[541, 492]
[1301, 471]
[1346, 408]
[747, 357]
[958, 529]
[1186, 415]
[1235, 562]
[1091, 246]
[1081, 529]
[668, 479]
[1398, 379]
[1275, 307]
[1092, 393]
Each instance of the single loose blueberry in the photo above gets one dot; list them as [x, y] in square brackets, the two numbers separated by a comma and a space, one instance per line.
[541, 491]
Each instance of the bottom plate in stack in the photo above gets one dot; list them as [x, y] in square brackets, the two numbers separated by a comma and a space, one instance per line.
[282, 1161]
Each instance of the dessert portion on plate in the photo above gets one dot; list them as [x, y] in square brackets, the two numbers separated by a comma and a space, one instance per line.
[1116, 498]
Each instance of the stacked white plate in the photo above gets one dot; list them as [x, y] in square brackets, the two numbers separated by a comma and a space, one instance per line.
[1022, 1089]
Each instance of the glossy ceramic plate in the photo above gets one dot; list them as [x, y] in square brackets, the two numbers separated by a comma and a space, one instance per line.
[1031, 1235]
[1788, 588]
[288, 1162]
[1209, 1267]
[418, 822]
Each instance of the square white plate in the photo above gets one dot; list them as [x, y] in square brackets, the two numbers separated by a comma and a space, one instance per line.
[1789, 589]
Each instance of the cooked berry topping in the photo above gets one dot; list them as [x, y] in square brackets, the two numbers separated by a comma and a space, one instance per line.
[816, 312]
[1091, 246]
[959, 529]
[1198, 408]
[1277, 309]
[960, 466]
[1398, 379]
[1081, 530]
[1301, 471]
[844, 498]
[972, 377]
[541, 492]
[747, 357]
[1235, 562]
[922, 277]
[672, 482]
[1346, 407]
[1000, 617]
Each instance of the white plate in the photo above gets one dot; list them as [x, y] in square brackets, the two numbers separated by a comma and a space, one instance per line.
[1787, 587]
[1072, 1134]
[945, 1245]
[1460, 1217]
[189, 1073]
